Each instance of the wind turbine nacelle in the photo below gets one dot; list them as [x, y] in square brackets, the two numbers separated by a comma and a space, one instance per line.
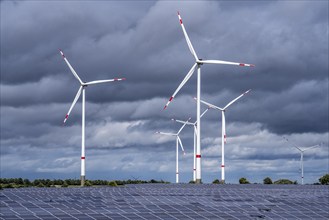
[199, 63]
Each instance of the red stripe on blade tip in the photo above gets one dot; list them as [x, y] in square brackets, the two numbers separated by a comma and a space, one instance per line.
[62, 53]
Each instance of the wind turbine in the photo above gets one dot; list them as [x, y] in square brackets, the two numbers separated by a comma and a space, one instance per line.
[197, 64]
[223, 126]
[194, 139]
[82, 88]
[302, 156]
[178, 141]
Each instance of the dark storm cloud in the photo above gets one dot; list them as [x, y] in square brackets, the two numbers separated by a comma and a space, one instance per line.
[48, 26]
[143, 41]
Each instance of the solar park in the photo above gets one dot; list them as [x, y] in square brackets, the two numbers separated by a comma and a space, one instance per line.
[168, 201]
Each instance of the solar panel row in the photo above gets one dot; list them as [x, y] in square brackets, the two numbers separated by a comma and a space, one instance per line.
[167, 201]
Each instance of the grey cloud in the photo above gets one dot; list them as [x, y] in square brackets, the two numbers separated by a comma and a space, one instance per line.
[144, 42]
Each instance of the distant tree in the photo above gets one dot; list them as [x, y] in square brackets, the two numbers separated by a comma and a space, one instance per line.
[112, 183]
[243, 180]
[40, 185]
[48, 183]
[267, 180]
[35, 182]
[88, 183]
[58, 182]
[284, 181]
[216, 181]
[73, 181]
[65, 184]
[99, 182]
[10, 185]
[324, 180]
[27, 182]
[19, 181]
[192, 182]
[120, 182]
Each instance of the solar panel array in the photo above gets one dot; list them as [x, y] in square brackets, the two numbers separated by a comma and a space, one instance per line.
[168, 201]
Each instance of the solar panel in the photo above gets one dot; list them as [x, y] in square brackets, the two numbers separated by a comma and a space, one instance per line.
[167, 201]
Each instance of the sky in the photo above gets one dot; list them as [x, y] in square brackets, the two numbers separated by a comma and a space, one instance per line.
[143, 42]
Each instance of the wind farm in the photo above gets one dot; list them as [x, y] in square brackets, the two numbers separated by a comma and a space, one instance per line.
[194, 139]
[198, 63]
[150, 157]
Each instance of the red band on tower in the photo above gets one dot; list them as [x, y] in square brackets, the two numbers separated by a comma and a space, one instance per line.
[198, 156]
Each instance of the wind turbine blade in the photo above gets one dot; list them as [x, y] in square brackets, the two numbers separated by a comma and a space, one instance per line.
[183, 126]
[311, 147]
[210, 105]
[104, 81]
[187, 77]
[190, 46]
[204, 112]
[165, 133]
[73, 103]
[293, 144]
[181, 145]
[234, 100]
[225, 62]
[182, 122]
[71, 68]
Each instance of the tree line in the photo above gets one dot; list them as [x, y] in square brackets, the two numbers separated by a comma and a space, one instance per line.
[324, 180]
[20, 182]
